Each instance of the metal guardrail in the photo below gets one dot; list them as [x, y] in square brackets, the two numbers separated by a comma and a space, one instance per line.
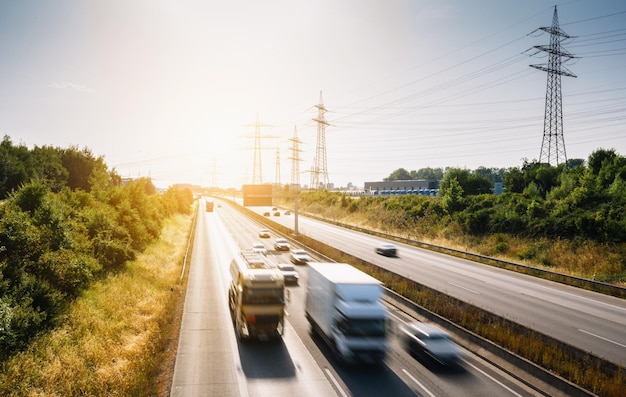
[192, 234]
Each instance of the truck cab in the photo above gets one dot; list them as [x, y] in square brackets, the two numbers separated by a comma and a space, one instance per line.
[256, 297]
[343, 305]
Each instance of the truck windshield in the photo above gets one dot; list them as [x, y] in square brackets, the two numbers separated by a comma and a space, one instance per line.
[362, 327]
[272, 296]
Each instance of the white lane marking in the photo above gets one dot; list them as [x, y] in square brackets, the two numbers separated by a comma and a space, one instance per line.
[418, 383]
[493, 379]
[332, 379]
[601, 337]
[225, 279]
[465, 288]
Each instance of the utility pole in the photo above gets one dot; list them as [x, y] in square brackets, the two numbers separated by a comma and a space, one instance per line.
[295, 160]
[214, 173]
[257, 167]
[319, 176]
[553, 143]
[277, 176]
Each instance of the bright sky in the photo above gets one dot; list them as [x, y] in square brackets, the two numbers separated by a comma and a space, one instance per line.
[171, 89]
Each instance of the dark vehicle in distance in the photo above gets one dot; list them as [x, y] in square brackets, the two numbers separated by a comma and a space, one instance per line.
[266, 213]
[281, 244]
[289, 273]
[276, 213]
[209, 206]
[387, 249]
[424, 340]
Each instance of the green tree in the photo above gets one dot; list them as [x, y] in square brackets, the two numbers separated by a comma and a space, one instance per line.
[48, 167]
[428, 173]
[471, 184]
[80, 164]
[14, 162]
[452, 196]
[400, 174]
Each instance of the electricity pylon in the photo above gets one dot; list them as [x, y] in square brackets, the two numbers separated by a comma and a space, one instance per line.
[295, 160]
[553, 143]
[257, 167]
[319, 175]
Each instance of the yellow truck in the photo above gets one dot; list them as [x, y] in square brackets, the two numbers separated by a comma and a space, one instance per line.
[256, 297]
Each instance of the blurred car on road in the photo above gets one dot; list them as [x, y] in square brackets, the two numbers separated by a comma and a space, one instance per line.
[281, 244]
[425, 340]
[387, 249]
[259, 248]
[299, 257]
[289, 273]
[264, 233]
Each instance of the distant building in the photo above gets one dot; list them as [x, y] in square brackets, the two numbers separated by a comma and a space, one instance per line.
[402, 187]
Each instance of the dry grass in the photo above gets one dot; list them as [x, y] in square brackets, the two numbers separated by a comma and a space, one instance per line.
[111, 338]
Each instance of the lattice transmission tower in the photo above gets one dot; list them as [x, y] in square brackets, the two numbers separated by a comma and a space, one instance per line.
[553, 143]
[295, 160]
[319, 173]
[257, 167]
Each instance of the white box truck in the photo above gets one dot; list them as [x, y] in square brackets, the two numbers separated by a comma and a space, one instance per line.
[343, 305]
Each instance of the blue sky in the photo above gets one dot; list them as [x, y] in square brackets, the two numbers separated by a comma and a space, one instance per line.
[172, 89]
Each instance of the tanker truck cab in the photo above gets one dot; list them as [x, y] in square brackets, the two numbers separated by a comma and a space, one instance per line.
[256, 297]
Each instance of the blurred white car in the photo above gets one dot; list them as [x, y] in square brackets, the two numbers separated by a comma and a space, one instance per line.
[259, 248]
[427, 340]
[299, 257]
[289, 273]
[281, 244]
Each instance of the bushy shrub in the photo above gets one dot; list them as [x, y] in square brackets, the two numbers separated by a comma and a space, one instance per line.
[56, 239]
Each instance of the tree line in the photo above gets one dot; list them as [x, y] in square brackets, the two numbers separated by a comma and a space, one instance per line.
[66, 220]
[584, 200]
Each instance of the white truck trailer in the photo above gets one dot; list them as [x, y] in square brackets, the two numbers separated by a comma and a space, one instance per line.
[343, 305]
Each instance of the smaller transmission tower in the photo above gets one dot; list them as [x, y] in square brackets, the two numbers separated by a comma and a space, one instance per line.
[295, 160]
[319, 176]
[553, 143]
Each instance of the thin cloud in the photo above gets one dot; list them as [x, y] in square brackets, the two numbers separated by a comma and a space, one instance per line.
[69, 86]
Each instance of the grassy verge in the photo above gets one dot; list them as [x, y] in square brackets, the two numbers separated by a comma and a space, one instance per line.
[579, 258]
[114, 339]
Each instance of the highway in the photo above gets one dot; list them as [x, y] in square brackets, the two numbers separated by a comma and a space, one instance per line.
[211, 361]
[588, 320]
